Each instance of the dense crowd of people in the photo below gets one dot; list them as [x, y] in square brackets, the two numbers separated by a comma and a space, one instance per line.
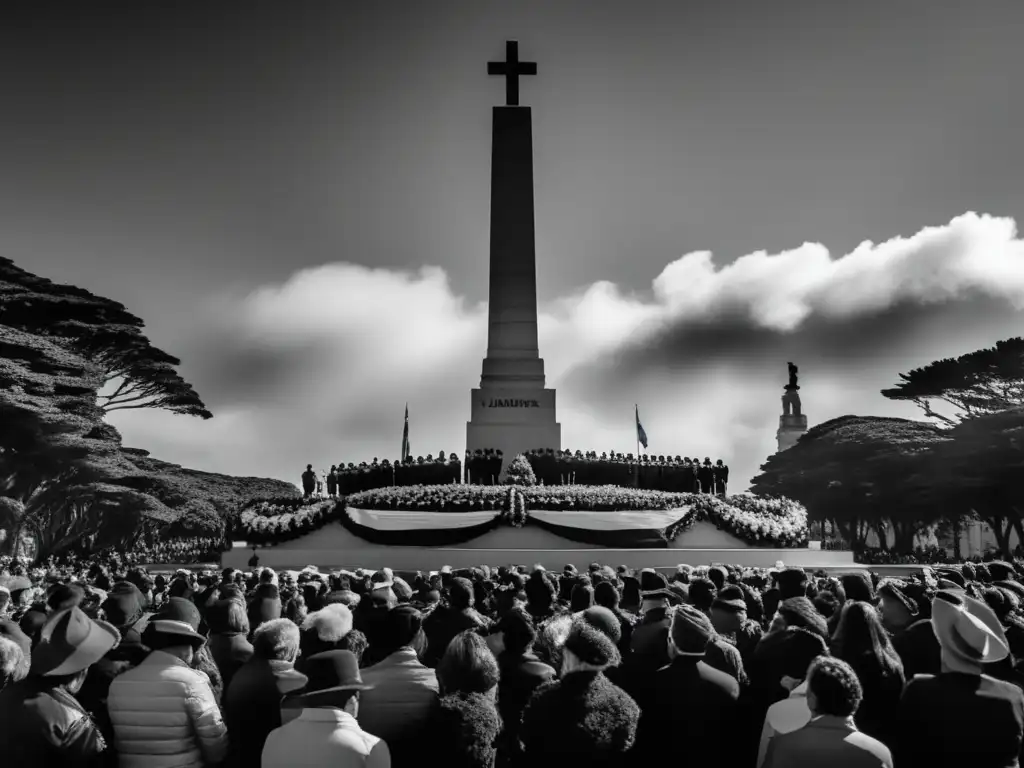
[106, 664]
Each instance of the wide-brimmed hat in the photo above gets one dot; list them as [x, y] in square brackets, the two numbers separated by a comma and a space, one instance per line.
[330, 672]
[70, 641]
[968, 630]
[178, 618]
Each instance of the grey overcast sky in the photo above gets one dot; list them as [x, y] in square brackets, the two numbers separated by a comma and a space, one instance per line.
[245, 175]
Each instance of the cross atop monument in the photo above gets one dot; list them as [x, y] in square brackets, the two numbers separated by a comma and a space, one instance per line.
[511, 69]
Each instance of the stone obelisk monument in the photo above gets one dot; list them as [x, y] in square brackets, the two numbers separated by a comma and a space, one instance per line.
[512, 411]
[792, 422]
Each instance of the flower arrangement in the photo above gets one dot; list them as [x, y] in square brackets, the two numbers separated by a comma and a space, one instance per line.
[520, 472]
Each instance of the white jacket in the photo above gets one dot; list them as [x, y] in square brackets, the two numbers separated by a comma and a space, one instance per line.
[324, 738]
[784, 716]
[165, 716]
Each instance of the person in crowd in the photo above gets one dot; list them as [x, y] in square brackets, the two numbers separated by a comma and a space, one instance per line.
[650, 635]
[689, 699]
[729, 617]
[12, 662]
[540, 596]
[521, 673]
[229, 632]
[467, 725]
[253, 702]
[831, 737]
[792, 711]
[936, 711]
[163, 711]
[582, 717]
[861, 641]
[16, 665]
[42, 722]
[721, 654]
[326, 732]
[325, 630]
[551, 637]
[332, 482]
[446, 621]
[899, 607]
[308, 482]
[405, 694]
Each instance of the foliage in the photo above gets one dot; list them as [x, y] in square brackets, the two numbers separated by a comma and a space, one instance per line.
[136, 374]
[57, 458]
[760, 521]
[204, 500]
[520, 472]
[982, 382]
[977, 473]
[856, 472]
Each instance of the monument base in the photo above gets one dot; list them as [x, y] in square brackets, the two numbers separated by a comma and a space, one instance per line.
[513, 421]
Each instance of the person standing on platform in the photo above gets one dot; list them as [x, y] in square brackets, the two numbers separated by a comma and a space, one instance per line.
[332, 482]
[308, 481]
[721, 478]
[706, 476]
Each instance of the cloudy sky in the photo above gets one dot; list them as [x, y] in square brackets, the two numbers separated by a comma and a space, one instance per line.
[295, 198]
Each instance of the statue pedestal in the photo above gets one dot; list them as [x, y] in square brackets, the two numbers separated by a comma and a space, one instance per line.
[790, 428]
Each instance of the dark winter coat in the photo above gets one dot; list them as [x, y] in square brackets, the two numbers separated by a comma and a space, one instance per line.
[45, 725]
[582, 719]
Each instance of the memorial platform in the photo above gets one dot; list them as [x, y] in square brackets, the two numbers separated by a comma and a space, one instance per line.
[333, 547]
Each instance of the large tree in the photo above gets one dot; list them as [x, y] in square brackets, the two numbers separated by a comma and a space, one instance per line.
[135, 373]
[59, 462]
[977, 383]
[853, 472]
[977, 473]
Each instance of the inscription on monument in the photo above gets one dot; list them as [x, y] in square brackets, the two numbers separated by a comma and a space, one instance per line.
[498, 403]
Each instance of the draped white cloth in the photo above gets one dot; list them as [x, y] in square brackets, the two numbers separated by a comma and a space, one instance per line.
[592, 521]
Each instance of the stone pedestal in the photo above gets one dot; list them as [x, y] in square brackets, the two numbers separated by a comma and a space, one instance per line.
[790, 428]
[513, 420]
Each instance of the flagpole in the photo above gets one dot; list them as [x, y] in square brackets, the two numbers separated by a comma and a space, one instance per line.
[636, 428]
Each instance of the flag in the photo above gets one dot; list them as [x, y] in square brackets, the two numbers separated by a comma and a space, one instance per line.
[406, 450]
[641, 436]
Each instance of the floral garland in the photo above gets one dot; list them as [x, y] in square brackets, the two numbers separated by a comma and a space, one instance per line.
[267, 522]
[513, 511]
[761, 521]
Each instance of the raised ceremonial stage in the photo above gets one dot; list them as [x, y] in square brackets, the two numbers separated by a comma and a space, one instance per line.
[426, 541]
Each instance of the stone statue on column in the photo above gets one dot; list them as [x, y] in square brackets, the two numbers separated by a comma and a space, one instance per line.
[791, 400]
[792, 423]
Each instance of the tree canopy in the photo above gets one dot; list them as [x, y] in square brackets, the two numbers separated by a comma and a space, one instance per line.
[854, 471]
[977, 471]
[64, 476]
[982, 382]
[135, 373]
